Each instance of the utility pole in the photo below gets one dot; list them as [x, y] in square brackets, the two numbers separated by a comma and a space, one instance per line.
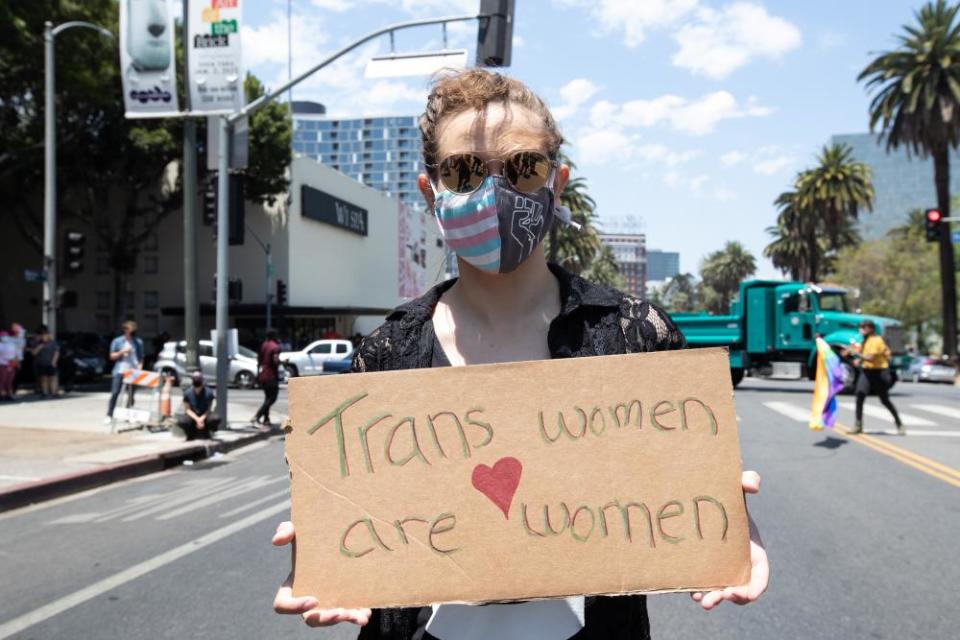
[269, 254]
[223, 179]
[190, 306]
[50, 302]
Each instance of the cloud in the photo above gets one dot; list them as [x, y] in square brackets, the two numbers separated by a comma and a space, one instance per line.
[633, 18]
[694, 117]
[599, 146]
[732, 158]
[719, 42]
[773, 165]
[337, 6]
[574, 94]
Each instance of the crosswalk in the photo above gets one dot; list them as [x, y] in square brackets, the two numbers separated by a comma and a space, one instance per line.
[187, 497]
[934, 420]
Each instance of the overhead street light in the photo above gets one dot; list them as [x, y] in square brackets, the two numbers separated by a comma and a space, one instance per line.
[50, 32]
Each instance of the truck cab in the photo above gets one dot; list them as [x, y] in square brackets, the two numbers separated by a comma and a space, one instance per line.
[772, 328]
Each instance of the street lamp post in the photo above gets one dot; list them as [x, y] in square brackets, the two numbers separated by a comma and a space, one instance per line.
[50, 301]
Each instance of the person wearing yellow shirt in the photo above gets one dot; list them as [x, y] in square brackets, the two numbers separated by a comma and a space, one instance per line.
[873, 355]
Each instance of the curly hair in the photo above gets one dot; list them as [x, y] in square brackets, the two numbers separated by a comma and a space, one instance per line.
[475, 88]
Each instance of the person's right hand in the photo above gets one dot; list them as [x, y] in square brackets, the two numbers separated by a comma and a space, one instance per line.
[306, 606]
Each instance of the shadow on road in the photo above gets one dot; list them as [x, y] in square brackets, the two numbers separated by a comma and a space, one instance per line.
[830, 443]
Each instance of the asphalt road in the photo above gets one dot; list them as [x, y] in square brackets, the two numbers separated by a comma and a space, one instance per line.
[862, 535]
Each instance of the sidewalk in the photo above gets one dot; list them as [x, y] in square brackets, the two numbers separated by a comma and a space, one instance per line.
[50, 448]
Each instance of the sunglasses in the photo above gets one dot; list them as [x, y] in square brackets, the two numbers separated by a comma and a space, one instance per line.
[526, 171]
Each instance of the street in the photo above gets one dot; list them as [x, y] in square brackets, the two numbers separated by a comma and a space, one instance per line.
[861, 538]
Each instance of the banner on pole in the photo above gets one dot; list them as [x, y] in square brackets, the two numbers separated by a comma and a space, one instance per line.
[216, 68]
[147, 61]
[412, 268]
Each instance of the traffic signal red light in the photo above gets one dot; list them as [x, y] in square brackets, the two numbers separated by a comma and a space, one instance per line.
[933, 220]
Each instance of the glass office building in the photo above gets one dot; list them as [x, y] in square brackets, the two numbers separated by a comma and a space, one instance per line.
[901, 182]
[380, 152]
[662, 265]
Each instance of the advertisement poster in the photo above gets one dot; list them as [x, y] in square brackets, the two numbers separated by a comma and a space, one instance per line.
[147, 58]
[413, 252]
[216, 69]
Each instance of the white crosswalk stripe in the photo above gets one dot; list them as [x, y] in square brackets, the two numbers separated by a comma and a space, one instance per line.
[791, 411]
[881, 413]
[939, 409]
[947, 429]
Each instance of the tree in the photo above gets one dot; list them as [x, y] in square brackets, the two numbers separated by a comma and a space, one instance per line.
[603, 269]
[721, 274]
[817, 217]
[917, 106]
[119, 178]
[896, 276]
[680, 294]
[574, 249]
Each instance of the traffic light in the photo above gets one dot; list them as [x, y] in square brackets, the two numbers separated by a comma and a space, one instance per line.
[281, 293]
[932, 222]
[235, 290]
[210, 203]
[73, 245]
[237, 210]
[495, 34]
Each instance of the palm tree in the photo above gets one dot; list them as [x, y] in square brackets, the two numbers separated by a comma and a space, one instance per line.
[680, 293]
[835, 190]
[604, 269]
[917, 106]
[575, 249]
[789, 250]
[723, 270]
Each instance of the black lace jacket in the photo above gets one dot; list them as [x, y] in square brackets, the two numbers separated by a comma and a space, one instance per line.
[593, 321]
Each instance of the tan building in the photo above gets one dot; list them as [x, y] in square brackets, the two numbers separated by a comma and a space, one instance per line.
[346, 253]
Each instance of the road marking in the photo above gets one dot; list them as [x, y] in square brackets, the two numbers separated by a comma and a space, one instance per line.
[921, 463]
[939, 409]
[273, 496]
[911, 432]
[129, 574]
[787, 409]
[208, 500]
[882, 414]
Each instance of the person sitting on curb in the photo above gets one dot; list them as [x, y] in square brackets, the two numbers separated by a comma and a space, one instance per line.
[198, 420]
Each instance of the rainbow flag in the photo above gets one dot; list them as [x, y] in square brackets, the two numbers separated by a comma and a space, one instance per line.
[828, 384]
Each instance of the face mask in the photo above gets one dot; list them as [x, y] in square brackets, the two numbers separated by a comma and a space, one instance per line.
[496, 228]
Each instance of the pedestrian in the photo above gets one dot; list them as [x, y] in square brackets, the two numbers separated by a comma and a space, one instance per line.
[8, 365]
[126, 353]
[508, 304]
[874, 375]
[46, 355]
[19, 336]
[268, 375]
[199, 420]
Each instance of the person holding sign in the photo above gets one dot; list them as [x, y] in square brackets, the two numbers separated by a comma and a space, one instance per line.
[493, 181]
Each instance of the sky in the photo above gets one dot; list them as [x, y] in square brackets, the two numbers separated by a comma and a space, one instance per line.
[686, 117]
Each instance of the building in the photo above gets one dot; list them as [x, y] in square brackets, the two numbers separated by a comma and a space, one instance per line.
[662, 265]
[381, 152]
[901, 182]
[630, 251]
[344, 254]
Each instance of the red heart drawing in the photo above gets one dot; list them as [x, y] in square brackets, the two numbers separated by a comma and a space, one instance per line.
[499, 483]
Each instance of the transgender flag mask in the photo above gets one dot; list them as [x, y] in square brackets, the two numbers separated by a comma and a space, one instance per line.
[495, 228]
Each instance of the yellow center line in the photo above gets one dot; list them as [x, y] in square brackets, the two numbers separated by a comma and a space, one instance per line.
[921, 463]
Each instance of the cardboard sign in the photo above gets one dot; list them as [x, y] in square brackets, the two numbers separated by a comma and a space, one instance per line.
[604, 475]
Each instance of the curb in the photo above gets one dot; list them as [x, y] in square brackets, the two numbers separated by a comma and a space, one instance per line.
[22, 495]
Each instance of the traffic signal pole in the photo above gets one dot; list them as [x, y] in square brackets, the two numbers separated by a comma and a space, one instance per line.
[191, 309]
[223, 187]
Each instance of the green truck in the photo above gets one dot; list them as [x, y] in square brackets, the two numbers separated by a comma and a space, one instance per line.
[772, 327]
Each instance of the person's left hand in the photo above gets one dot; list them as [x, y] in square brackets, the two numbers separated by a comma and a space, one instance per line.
[759, 566]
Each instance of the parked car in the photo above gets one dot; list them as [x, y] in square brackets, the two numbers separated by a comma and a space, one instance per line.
[83, 357]
[338, 365]
[927, 369]
[243, 366]
[309, 360]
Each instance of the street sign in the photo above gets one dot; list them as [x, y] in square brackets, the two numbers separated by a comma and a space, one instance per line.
[32, 275]
[955, 237]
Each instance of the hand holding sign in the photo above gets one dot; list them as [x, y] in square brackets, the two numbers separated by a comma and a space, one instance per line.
[408, 487]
